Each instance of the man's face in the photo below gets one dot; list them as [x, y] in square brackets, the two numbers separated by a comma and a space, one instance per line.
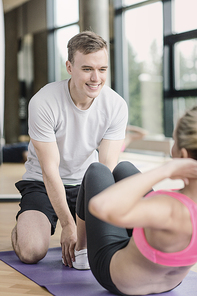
[88, 74]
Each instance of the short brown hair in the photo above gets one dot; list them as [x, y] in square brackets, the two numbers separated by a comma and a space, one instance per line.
[86, 42]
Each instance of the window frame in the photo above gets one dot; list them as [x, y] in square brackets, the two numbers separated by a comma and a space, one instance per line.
[170, 38]
[52, 29]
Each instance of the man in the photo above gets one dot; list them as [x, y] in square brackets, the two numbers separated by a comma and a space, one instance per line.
[68, 121]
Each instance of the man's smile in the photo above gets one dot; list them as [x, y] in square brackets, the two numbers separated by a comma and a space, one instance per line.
[93, 86]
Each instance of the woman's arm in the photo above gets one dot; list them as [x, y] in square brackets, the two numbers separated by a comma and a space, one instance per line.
[122, 203]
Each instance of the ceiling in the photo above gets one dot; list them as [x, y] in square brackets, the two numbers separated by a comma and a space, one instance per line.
[11, 4]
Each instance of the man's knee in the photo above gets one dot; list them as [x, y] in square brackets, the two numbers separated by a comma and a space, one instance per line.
[28, 251]
[31, 254]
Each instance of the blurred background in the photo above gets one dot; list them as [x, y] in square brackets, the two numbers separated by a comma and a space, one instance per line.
[152, 48]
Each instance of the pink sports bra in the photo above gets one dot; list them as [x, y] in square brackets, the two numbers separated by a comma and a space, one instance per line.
[188, 256]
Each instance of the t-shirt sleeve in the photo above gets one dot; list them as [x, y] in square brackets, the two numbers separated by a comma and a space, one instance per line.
[41, 119]
[117, 128]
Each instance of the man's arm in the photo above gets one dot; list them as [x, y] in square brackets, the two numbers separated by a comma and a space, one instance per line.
[49, 158]
[109, 151]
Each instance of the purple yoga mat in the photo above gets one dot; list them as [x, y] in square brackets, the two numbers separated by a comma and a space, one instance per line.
[60, 280]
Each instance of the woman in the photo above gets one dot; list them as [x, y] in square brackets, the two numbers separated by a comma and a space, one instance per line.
[163, 246]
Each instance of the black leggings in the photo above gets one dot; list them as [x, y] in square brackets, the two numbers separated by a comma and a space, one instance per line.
[103, 239]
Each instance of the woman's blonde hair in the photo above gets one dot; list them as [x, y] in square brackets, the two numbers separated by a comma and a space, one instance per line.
[86, 42]
[186, 132]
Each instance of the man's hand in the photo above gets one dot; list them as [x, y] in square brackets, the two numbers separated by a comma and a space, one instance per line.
[68, 242]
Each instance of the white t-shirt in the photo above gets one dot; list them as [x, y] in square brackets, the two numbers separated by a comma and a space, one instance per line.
[53, 116]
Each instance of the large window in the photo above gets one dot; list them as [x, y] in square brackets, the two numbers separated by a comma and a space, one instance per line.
[180, 60]
[61, 54]
[184, 15]
[157, 40]
[143, 29]
[65, 12]
[64, 25]
[186, 64]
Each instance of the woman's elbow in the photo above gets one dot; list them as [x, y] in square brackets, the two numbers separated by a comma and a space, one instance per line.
[101, 212]
[93, 207]
[97, 209]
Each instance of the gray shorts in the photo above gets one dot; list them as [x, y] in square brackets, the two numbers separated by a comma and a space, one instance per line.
[34, 197]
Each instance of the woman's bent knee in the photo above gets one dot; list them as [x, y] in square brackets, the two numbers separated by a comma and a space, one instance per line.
[123, 170]
[126, 165]
[97, 168]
